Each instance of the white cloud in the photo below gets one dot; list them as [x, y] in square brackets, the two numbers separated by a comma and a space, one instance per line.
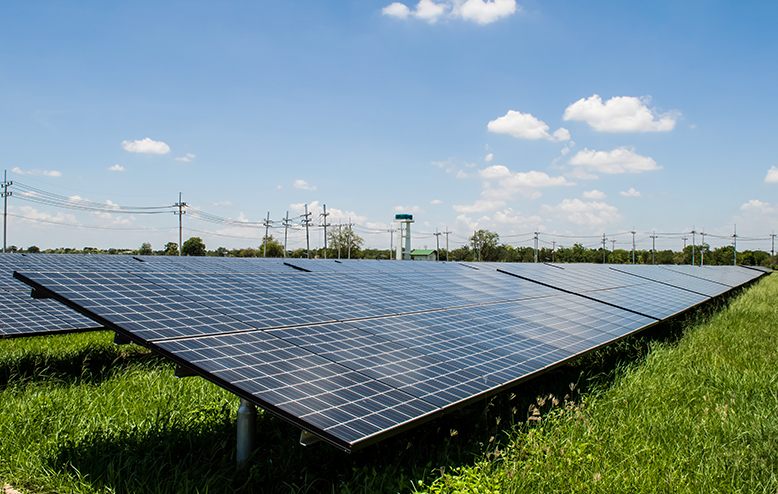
[111, 204]
[480, 206]
[189, 157]
[478, 11]
[755, 205]
[568, 147]
[772, 176]
[594, 194]
[441, 164]
[222, 203]
[302, 184]
[485, 12]
[525, 126]
[515, 218]
[31, 214]
[508, 185]
[621, 114]
[620, 160]
[461, 174]
[630, 193]
[116, 168]
[35, 171]
[405, 209]
[146, 146]
[397, 10]
[489, 157]
[590, 213]
[581, 174]
[436, 201]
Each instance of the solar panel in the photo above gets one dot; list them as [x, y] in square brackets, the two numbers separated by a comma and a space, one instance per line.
[356, 351]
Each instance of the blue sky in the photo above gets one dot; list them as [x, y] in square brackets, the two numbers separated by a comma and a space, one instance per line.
[570, 118]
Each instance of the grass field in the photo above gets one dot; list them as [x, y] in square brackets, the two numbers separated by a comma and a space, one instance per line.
[690, 406]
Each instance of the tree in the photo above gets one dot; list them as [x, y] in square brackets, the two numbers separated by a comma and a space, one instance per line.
[485, 245]
[273, 246]
[194, 246]
[145, 249]
[33, 249]
[171, 249]
[344, 242]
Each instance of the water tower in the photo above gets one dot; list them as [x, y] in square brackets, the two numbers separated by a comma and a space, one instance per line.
[403, 219]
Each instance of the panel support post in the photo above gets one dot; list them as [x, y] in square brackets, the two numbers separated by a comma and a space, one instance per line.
[247, 431]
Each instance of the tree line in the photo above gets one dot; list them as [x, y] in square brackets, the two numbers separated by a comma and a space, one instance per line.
[483, 245]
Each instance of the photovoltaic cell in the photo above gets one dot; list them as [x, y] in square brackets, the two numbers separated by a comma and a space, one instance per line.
[356, 351]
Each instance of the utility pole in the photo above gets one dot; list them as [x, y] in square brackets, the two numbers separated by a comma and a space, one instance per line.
[325, 214]
[684, 249]
[613, 245]
[447, 232]
[391, 242]
[349, 237]
[306, 221]
[340, 237]
[6, 194]
[633, 246]
[772, 249]
[603, 247]
[536, 246]
[286, 230]
[180, 205]
[437, 245]
[553, 250]
[653, 246]
[267, 223]
[734, 236]
[702, 251]
[693, 232]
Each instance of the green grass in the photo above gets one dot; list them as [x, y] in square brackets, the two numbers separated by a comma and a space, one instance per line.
[696, 415]
[690, 406]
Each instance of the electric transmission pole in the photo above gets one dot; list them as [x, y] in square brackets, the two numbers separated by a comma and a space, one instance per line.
[772, 249]
[437, 245]
[653, 246]
[734, 236]
[6, 194]
[447, 232]
[286, 230]
[633, 246]
[702, 250]
[684, 249]
[306, 221]
[325, 214]
[603, 247]
[693, 240]
[180, 205]
[553, 250]
[267, 223]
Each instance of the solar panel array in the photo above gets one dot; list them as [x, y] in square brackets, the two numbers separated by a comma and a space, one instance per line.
[355, 351]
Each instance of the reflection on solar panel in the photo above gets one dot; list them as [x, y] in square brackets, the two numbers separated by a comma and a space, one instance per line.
[355, 351]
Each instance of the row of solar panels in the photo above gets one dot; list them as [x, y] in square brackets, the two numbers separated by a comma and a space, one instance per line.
[354, 351]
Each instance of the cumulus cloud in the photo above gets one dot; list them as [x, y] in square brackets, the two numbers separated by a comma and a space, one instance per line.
[461, 174]
[525, 126]
[594, 194]
[189, 157]
[592, 213]
[436, 201]
[772, 176]
[302, 184]
[568, 147]
[480, 206]
[486, 12]
[621, 114]
[490, 156]
[147, 146]
[37, 219]
[116, 168]
[508, 184]
[35, 171]
[630, 193]
[621, 160]
[755, 205]
[478, 11]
